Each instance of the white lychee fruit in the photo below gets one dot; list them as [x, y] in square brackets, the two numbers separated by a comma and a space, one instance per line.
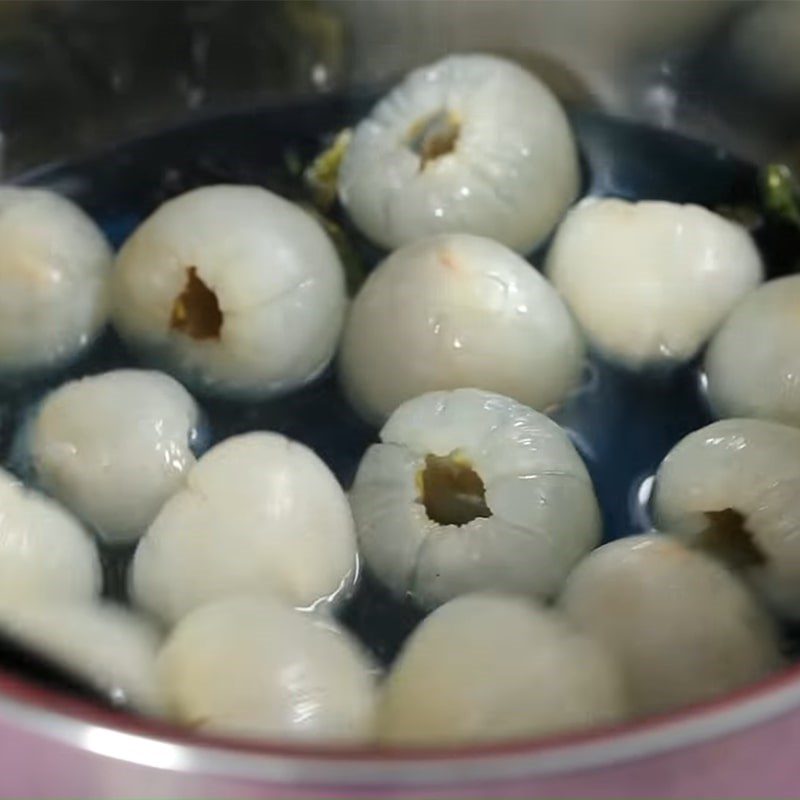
[55, 267]
[683, 628]
[453, 311]
[259, 513]
[106, 645]
[45, 553]
[733, 488]
[472, 491]
[233, 289]
[253, 667]
[471, 143]
[114, 447]
[490, 667]
[753, 362]
[650, 281]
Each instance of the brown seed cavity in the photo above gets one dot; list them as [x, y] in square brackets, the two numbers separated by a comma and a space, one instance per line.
[727, 538]
[196, 310]
[451, 491]
[434, 136]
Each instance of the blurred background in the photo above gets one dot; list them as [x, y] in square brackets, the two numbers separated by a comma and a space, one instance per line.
[78, 74]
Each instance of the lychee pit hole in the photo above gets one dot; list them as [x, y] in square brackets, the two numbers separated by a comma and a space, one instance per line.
[196, 310]
[728, 539]
[451, 490]
[434, 136]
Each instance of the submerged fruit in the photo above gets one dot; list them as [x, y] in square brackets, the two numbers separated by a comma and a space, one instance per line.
[454, 311]
[105, 644]
[233, 289]
[45, 554]
[733, 488]
[493, 667]
[650, 281]
[471, 143]
[55, 268]
[114, 447]
[259, 513]
[472, 491]
[253, 667]
[683, 628]
[753, 362]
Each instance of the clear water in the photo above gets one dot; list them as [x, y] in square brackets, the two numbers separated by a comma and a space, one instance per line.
[623, 423]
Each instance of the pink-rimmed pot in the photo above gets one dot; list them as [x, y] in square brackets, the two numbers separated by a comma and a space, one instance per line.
[741, 746]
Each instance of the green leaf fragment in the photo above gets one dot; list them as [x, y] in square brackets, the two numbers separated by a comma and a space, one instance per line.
[781, 192]
[322, 174]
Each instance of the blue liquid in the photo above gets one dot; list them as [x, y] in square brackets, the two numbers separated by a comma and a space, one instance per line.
[623, 423]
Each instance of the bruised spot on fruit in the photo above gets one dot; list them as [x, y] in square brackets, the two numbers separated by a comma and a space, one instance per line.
[451, 491]
[434, 137]
[727, 538]
[196, 310]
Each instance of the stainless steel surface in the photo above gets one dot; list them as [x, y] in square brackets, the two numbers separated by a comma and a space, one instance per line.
[75, 74]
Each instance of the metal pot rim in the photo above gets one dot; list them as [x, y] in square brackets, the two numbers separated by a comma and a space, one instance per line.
[154, 743]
